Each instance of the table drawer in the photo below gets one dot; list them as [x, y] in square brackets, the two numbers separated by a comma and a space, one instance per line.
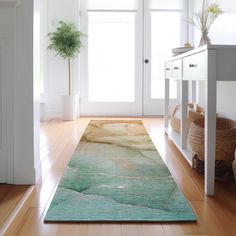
[168, 69]
[176, 68]
[195, 66]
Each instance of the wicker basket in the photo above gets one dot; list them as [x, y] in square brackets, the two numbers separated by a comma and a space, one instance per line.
[192, 115]
[225, 139]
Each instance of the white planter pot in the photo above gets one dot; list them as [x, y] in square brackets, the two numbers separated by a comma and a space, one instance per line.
[69, 107]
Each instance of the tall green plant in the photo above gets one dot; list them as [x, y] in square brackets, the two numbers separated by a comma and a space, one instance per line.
[67, 43]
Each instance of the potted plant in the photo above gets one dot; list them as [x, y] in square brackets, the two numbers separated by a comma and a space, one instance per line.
[67, 43]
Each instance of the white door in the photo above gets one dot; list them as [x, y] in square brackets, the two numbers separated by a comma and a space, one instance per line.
[122, 62]
[111, 60]
[164, 29]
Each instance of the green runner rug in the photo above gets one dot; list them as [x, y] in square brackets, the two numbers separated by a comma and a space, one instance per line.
[116, 174]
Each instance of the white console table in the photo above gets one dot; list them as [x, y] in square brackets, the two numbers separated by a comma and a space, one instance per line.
[210, 63]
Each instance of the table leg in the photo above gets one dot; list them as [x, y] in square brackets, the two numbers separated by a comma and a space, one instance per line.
[167, 85]
[184, 114]
[210, 125]
[193, 91]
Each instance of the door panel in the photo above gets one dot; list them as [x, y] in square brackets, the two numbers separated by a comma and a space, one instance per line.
[111, 70]
[106, 70]
[163, 30]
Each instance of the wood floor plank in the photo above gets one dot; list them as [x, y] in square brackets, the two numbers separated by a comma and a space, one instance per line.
[181, 176]
[186, 228]
[67, 229]
[4, 189]
[62, 160]
[94, 229]
[152, 230]
[43, 229]
[180, 229]
[10, 201]
[29, 222]
[131, 230]
[21, 216]
[82, 229]
[197, 235]
[168, 230]
[225, 199]
[58, 139]
[209, 220]
[53, 157]
[222, 211]
[44, 192]
[111, 230]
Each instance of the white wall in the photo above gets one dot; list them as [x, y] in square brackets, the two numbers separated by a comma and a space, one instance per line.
[22, 113]
[6, 92]
[43, 43]
[223, 31]
[26, 94]
[57, 70]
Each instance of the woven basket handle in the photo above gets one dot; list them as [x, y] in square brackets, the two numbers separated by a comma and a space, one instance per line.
[174, 111]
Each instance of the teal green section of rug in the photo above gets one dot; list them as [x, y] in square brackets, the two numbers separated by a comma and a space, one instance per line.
[116, 174]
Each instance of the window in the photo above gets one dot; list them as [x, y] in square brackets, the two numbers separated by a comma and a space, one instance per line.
[166, 21]
[111, 52]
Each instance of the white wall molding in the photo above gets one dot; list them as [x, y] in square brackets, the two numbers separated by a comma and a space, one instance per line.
[10, 110]
[3, 163]
[7, 104]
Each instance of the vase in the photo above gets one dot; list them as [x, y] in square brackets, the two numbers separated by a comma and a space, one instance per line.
[204, 38]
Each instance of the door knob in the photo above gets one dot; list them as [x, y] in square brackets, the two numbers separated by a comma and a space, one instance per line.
[146, 61]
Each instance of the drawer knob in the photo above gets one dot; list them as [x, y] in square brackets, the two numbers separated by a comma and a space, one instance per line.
[167, 69]
[192, 65]
[176, 68]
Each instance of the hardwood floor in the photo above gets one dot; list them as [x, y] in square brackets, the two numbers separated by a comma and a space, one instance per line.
[10, 196]
[216, 215]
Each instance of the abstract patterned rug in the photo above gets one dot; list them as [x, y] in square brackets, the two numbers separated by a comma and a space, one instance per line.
[116, 174]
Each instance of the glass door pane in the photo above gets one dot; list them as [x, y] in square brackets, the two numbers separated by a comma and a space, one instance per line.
[164, 37]
[111, 56]
[163, 30]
